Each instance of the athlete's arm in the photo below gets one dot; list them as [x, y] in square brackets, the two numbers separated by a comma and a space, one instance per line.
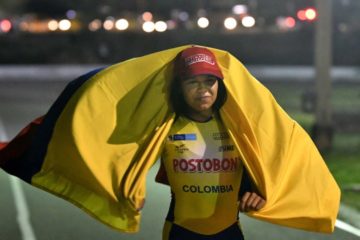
[161, 176]
[245, 184]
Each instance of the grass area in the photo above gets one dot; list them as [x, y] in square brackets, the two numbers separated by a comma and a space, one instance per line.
[344, 163]
[343, 160]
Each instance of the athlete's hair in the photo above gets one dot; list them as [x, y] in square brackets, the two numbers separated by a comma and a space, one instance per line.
[178, 103]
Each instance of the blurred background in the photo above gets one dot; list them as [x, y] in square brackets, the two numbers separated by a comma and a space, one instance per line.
[307, 57]
[257, 31]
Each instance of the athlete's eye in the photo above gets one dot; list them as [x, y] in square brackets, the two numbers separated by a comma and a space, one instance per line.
[191, 82]
[210, 81]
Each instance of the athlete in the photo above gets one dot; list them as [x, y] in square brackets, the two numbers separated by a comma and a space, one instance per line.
[200, 162]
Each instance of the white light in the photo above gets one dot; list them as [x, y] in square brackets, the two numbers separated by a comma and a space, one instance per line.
[64, 25]
[248, 21]
[240, 9]
[160, 26]
[53, 25]
[109, 24]
[148, 26]
[310, 14]
[95, 25]
[230, 23]
[122, 24]
[203, 22]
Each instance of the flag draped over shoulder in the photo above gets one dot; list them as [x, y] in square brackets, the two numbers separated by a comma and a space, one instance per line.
[99, 139]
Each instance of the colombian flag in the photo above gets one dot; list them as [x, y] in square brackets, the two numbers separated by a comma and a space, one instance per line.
[97, 142]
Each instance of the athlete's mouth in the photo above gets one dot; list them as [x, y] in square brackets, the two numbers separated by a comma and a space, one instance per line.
[203, 98]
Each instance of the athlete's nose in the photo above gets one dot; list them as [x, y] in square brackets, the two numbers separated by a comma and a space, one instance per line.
[202, 86]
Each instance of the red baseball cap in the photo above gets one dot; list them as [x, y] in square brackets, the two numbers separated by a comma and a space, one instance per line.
[196, 61]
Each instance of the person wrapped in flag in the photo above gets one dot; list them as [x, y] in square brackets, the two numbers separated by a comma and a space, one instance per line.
[199, 159]
[97, 142]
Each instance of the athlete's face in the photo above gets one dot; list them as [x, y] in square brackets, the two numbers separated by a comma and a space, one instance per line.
[200, 93]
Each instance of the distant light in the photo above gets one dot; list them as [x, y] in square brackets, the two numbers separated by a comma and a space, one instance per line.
[290, 22]
[147, 16]
[109, 24]
[64, 25]
[343, 27]
[203, 22]
[95, 25]
[24, 26]
[230, 23]
[71, 14]
[301, 15]
[148, 26]
[285, 23]
[53, 25]
[5, 26]
[310, 14]
[248, 21]
[160, 26]
[201, 13]
[171, 24]
[122, 24]
[240, 9]
[183, 16]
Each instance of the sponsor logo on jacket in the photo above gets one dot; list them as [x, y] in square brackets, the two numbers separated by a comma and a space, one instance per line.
[206, 165]
[183, 137]
[220, 136]
[226, 148]
[208, 188]
[181, 148]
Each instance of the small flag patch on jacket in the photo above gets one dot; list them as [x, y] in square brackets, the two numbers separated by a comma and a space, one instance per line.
[183, 137]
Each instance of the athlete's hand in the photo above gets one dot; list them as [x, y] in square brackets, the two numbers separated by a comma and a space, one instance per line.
[142, 203]
[251, 201]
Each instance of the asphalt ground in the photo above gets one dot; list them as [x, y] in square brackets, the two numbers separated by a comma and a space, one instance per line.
[29, 213]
